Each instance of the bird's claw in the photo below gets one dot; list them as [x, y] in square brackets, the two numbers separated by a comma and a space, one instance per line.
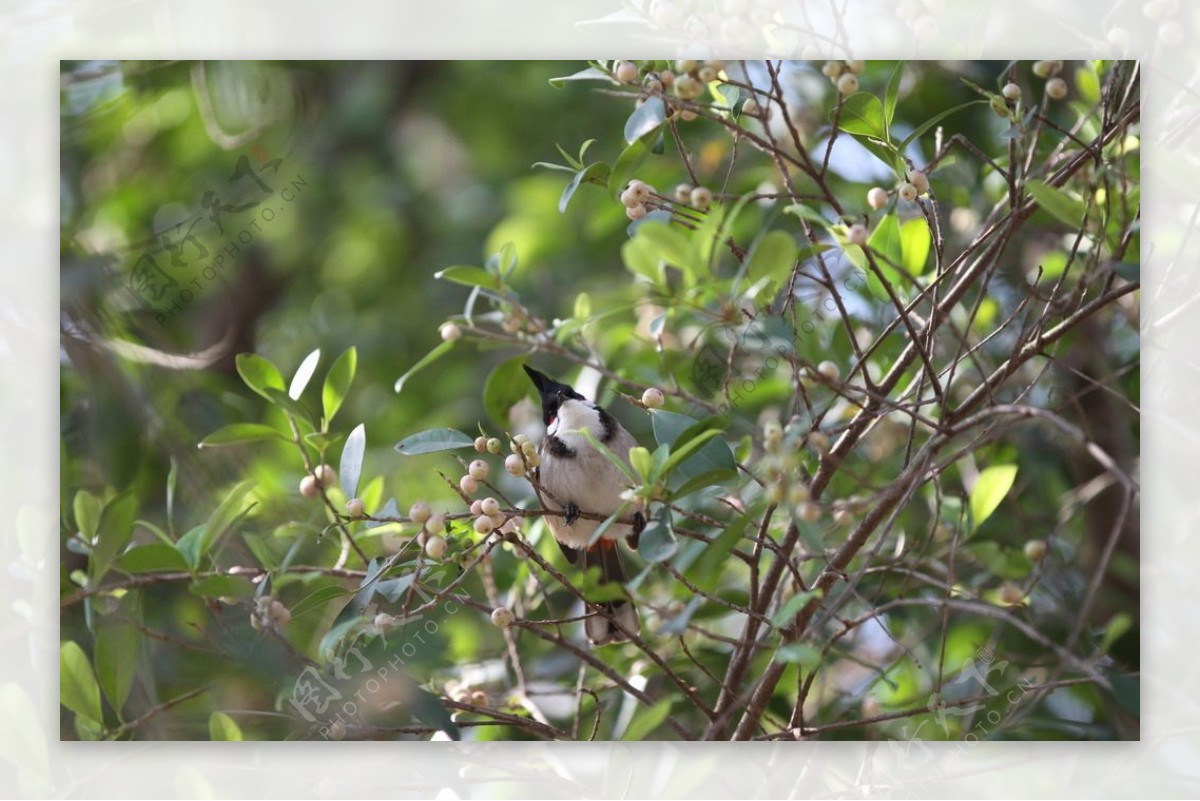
[572, 514]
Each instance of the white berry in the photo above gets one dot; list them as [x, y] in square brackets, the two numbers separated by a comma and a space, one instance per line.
[479, 470]
[653, 398]
[857, 67]
[481, 444]
[355, 507]
[908, 192]
[1011, 593]
[514, 465]
[435, 547]
[489, 507]
[419, 512]
[1011, 92]
[1056, 88]
[326, 476]
[829, 370]
[919, 180]
[847, 83]
[309, 487]
[484, 525]
[468, 484]
[857, 234]
[701, 197]
[683, 193]
[877, 198]
[502, 617]
[435, 524]
[635, 212]
[1035, 550]
[450, 332]
[627, 72]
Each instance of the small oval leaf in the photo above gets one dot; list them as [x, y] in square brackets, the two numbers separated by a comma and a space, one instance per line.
[350, 467]
[304, 374]
[337, 383]
[434, 440]
[989, 490]
[258, 373]
[237, 433]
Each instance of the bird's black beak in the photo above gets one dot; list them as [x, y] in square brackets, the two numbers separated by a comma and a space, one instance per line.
[540, 380]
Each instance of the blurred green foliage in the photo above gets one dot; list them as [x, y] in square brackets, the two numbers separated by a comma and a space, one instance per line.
[336, 192]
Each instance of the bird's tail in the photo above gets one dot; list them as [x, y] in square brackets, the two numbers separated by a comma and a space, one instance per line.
[605, 626]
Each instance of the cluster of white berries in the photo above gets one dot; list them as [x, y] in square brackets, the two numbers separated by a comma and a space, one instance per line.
[269, 613]
[524, 456]
[1056, 88]
[844, 74]
[916, 184]
[432, 525]
[635, 197]
[322, 477]
[488, 516]
[463, 694]
[780, 467]
[698, 197]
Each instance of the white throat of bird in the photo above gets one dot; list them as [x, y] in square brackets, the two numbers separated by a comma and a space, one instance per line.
[572, 416]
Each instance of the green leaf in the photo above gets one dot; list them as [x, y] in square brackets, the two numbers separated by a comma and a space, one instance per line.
[862, 114]
[236, 433]
[113, 532]
[426, 360]
[337, 383]
[885, 240]
[87, 513]
[684, 452]
[258, 373]
[932, 121]
[426, 708]
[223, 518]
[304, 374]
[592, 174]
[627, 164]
[891, 95]
[802, 654]
[469, 276]
[189, 546]
[989, 490]
[647, 721]
[317, 599]
[915, 242]
[606, 452]
[773, 257]
[284, 401]
[709, 568]
[792, 606]
[1057, 203]
[1088, 84]
[642, 462]
[77, 687]
[350, 468]
[157, 557]
[223, 728]
[658, 541]
[645, 118]
[589, 74]
[434, 440]
[117, 640]
[505, 385]
[714, 462]
[322, 439]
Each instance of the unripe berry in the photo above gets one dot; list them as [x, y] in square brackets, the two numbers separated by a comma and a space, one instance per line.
[843, 518]
[808, 511]
[325, 475]
[829, 370]
[819, 440]
[716, 64]
[919, 180]
[1045, 69]
[857, 67]
[1011, 593]
[489, 507]
[683, 193]
[419, 512]
[1035, 550]
[686, 65]
[847, 83]
[857, 234]
[877, 198]
[481, 444]
[309, 487]
[494, 445]
[436, 524]
[701, 197]
[435, 547]
[468, 484]
[1056, 88]
[687, 115]
[533, 459]
[652, 398]
[450, 332]
[528, 449]
[667, 77]
[502, 617]
[688, 88]
[1011, 92]
[477, 507]
[479, 470]
[908, 192]
[484, 525]
[832, 69]
[479, 698]
[627, 72]
[519, 440]
[635, 212]
[355, 507]
[280, 614]
[514, 465]
[798, 493]
[707, 74]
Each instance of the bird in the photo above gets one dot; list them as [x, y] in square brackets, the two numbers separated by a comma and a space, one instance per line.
[578, 478]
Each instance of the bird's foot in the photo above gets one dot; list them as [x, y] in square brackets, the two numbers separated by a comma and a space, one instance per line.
[571, 514]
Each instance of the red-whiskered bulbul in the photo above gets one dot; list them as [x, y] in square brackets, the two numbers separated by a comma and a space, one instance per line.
[581, 479]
